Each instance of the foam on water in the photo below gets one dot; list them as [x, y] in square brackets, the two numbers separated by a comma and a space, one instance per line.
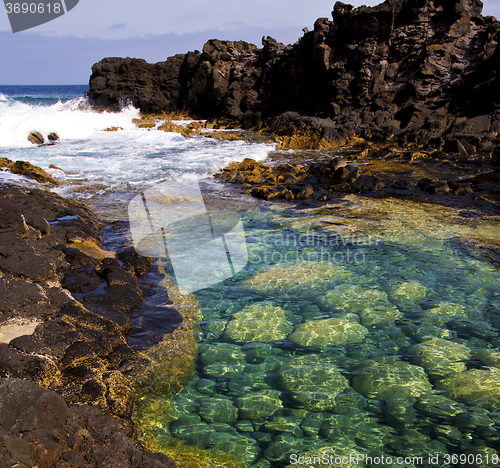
[128, 159]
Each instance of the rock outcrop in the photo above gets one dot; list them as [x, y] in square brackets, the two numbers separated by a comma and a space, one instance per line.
[418, 68]
[37, 428]
[65, 306]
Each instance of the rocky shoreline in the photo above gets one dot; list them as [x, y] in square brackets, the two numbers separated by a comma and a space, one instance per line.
[65, 306]
[408, 83]
[413, 69]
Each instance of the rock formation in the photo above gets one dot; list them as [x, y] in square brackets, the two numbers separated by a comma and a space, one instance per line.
[416, 68]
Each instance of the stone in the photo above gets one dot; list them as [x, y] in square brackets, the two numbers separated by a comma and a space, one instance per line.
[53, 136]
[36, 138]
[440, 357]
[297, 278]
[477, 387]
[259, 405]
[329, 332]
[223, 360]
[218, 409]
[260, 322]
[390, 378]
[314, 381]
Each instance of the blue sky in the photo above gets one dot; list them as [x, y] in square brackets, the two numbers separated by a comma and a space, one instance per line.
[63, 51]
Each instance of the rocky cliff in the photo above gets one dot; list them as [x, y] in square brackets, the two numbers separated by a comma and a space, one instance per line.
[419, 67]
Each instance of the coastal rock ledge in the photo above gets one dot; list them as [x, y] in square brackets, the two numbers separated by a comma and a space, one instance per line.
[420, 68]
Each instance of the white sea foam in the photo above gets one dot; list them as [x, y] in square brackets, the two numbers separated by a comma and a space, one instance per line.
[128, 159]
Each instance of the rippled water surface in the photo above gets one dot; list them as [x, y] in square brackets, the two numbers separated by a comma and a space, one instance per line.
[363, 329]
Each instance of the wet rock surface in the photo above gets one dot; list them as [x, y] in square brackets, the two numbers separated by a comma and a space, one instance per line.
[37, 428]
[65, 306]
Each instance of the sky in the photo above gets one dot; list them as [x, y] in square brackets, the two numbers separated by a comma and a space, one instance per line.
[62, 51]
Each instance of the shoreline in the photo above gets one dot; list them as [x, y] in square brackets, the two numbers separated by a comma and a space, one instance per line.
[51, 255]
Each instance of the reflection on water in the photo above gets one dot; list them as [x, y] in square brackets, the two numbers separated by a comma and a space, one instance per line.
[359, 330]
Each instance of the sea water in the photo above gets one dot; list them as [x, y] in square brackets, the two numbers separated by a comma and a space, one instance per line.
[361, 333]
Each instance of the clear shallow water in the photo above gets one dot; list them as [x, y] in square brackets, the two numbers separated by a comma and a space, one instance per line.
[357, 329]
[373, 338]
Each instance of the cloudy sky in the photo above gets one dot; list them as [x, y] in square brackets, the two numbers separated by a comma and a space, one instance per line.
[63, 50]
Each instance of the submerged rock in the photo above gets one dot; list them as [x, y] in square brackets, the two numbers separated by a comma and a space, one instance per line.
[390, 378]
[329, 332]
[440, 357]
[477, 387]
[314, 381]
[218, 409]
[372, 305]
[261, 322]
[223, 360]
[408, 291]
[259, 405]
[296, 278]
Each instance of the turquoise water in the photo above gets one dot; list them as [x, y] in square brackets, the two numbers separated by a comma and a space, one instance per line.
[381, 340]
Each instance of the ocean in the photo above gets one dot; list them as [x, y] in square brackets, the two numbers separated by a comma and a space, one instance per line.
[360, 333]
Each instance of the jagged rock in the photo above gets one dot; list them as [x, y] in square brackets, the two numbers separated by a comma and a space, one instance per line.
[403, 67]
[38, 429]
[36, 138]
[29, 170]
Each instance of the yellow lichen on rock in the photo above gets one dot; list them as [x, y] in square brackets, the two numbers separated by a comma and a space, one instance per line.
[90, 248]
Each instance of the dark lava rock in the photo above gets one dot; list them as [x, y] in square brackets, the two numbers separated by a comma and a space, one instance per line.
[48, 244]
[37, 428]
[419, 69]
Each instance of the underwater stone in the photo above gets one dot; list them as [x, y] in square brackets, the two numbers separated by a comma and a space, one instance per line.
[489, 357]
[259, 405]
[297, 278]
[218, 409]
[289, 424]
[282, 446]
[311, 426]
[439, 406]
[205, 386]
[329, 332]
[390, 378]
[236, 446]
[263, 322]
[353, 298]
[400, 413]
[447, 309]
[261, 463]
[408, 291]
[440, 357]
[477, 387]
[336, 454]
[244, 425]
[450, 435]
[192, 430]
[349, 401]
[314, 381]
[223, 360]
